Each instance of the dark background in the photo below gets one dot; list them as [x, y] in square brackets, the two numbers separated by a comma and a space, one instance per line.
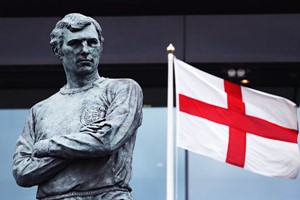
[23, 83]
[54, 8]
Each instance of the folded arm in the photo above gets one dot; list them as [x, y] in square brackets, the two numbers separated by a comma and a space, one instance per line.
[29, 170]
[122, 119]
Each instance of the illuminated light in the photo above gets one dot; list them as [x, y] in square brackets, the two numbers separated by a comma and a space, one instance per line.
[241, 72]
[245, 81]
[231, 72]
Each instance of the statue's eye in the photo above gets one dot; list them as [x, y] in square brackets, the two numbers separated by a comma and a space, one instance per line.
[92, 41]
[74, 43]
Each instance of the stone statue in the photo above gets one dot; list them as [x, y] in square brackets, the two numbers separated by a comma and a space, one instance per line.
[78, 143]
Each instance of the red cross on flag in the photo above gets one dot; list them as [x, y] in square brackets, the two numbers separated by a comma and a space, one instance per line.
[235, 124]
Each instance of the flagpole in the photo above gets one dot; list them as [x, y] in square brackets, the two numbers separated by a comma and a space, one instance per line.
[170, 135]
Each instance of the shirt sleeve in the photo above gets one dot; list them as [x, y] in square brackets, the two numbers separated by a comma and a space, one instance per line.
[29, 170]
[123, 117]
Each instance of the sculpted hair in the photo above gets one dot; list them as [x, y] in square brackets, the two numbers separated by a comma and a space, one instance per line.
[73, 22]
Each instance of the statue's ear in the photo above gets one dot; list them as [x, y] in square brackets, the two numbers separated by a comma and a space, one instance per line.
[57, 52]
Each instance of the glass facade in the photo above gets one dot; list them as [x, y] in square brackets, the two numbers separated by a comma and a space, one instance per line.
[205, 178]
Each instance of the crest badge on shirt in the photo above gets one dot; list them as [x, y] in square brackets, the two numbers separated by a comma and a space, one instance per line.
[92, 112]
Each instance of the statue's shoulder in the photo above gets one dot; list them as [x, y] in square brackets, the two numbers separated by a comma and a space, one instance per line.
[46, 101]
[121, 83]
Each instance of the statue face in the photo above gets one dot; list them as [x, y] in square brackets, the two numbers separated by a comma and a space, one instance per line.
[81, 51]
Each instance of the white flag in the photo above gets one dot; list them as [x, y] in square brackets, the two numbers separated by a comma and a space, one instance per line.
[235, 124]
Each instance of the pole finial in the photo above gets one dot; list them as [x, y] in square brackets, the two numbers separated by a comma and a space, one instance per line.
[170, 48]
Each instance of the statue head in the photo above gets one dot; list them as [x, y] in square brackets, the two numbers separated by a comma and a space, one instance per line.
[73, 22]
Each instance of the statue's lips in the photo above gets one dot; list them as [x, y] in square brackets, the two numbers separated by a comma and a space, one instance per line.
[84, 62]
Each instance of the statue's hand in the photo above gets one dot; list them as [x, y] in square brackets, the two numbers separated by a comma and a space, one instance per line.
[93, 127]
